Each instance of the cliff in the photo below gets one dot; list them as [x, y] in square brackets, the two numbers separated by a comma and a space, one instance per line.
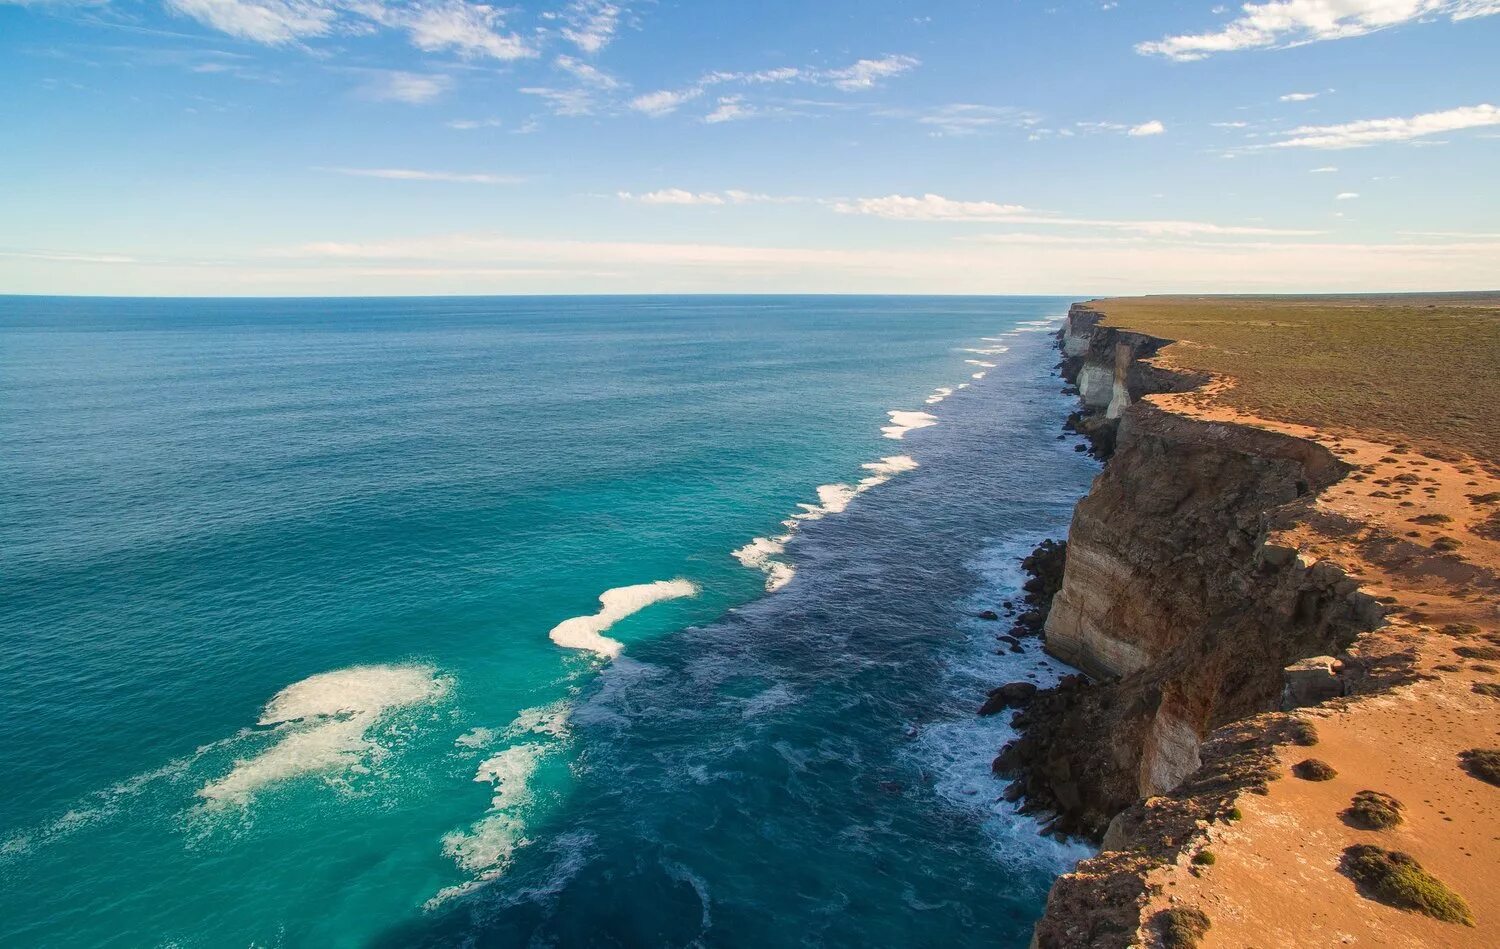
[1199, 620]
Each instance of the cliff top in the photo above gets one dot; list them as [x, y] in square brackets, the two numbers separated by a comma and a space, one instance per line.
[1423, 368]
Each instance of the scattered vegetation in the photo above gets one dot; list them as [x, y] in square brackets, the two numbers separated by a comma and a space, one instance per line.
[1460, 629]
[1182, 927]
[1234, 814]
[1446, 543]
[1205, 858]
[1303, 732]
[1478, 652]
[1395, 878]
[1373, 810]
[1492, 689]
[1385, 363]
[1431, 519]
[1482, 763]
[1314, 769]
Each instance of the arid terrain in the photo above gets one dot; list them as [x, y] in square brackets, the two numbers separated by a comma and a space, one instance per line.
[1407, 391]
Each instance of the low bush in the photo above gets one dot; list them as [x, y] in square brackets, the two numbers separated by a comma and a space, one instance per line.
[1314, 769]
[1373, 810]
[1182, 927]
[1482, 763]
[1395, 878]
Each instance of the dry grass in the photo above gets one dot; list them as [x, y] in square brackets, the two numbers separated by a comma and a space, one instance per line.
[1423, 369]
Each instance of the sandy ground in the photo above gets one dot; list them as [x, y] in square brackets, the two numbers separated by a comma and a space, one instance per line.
[1275, 881]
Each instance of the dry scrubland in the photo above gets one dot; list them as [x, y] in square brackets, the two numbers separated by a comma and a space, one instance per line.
[1419, 368]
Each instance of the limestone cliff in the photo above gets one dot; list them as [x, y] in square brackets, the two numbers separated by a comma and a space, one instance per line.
[1172, 599]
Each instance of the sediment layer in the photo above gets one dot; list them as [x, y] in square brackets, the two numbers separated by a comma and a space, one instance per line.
[1200, 622]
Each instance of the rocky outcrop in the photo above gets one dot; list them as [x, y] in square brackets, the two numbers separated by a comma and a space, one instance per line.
[1172, 600]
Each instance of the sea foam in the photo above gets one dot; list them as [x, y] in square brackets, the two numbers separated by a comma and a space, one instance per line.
[939, 394]
[763, 553]
[586, 632]
[323, 725]
[903, 422]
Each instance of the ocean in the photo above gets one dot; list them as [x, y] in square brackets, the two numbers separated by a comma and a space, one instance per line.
[595, 621]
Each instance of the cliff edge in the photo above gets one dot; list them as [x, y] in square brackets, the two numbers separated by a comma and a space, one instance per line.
[1244, 593]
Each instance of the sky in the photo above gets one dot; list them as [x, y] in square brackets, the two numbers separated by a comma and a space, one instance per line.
[386, 147]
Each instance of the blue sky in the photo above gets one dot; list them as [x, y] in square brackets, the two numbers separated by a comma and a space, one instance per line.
[442, 146]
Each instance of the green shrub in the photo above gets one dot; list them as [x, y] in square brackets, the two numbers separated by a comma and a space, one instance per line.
[1314, 770]
[1303, 733]
[1205, 858]
[1373, 810]
[1395, 878]
[1478, 652]
[1482, 763]
[1182, 927]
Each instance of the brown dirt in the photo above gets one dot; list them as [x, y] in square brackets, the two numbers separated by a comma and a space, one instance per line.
[1276, 880]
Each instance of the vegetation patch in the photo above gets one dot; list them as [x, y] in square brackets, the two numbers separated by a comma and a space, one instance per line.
[1446, 543]
[1431, 519]
[1205, 858]
[1492, 689]
[1373, 810]
[1314, 769]
[1478, 652]
[1367, 363]
[1398, 880]
[1460, 629]
[1303, 733]
[1182, 927]
[1482, 763]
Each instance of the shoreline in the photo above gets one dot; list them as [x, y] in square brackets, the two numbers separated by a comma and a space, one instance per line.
[1192, 715]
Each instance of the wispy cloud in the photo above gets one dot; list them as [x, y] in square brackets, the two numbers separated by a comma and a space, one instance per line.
[862, 75]
[273, 22]
[414, 88]
[729, 109]
[1377, 131]
[1346, 196]
[413, 174]
[1324, 170]
[1153, 127]
[1299, 96]
[966, 118]
[470, 29]
[591, 24]
[1282, 23]
[866, 73]
[934, 207]
[468, 125]
[567, 102]
[681, 196]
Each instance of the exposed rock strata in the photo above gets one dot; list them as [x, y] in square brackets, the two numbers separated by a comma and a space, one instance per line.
[1183, 610]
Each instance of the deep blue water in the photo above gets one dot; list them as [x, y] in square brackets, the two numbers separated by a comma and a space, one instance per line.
[279, 577]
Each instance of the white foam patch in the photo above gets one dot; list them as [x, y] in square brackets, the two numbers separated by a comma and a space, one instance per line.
[475, 738]
[903, 422]
[764, 553]
[980, 363]
[988, 350]
[939, 394]
[963, 385]
[586, 632]
[323, 726]
[977, 376]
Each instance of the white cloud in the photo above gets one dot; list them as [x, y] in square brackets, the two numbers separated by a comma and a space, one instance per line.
[933, 207]
[468, 28]
[587, 73]
[412, 174]
[964, 118]
[591, 24]
[1229, 125]
[1282, 23]
[264, 21]
[866, 73]
[408, 87]
[1346, 196]
[1376, 131]
[929, 207]
[1152, 127]
[1299, 96]
[729, 109]
[569, 102]
[665, 101]
[468, 125]
[1326, 169]
[672, 196]
[682, 196]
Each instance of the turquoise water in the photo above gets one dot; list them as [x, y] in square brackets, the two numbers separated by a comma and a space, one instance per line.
[281, 579]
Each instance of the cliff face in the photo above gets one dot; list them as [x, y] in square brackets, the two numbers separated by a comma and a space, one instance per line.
[1172, 599]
